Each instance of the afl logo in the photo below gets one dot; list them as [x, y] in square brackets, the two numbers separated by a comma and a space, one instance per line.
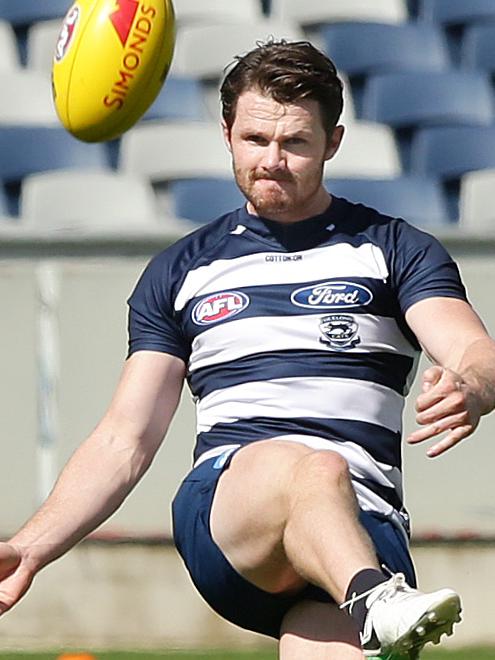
[332, 295]
[67, 33]
[219, 307]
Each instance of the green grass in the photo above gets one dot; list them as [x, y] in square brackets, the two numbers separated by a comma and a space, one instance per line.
[464, 654]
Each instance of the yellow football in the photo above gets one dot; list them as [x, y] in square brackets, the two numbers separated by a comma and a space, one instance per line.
[110, 62]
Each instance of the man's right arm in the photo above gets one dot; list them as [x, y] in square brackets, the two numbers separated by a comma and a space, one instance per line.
[100, 474]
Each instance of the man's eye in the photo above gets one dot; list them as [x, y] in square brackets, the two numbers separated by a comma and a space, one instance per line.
[256, 139]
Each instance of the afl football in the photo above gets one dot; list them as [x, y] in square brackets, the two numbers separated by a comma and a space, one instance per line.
[111, 60]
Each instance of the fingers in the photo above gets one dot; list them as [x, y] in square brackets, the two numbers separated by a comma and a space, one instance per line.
[449, 441]
[10, 558]
[438, 383]
[444, 406]
[431, 377]
[14, 580]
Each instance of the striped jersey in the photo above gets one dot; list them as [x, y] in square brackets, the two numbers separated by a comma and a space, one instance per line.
[298, 332]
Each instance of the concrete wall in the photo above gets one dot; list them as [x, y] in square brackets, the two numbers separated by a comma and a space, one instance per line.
[135, 596]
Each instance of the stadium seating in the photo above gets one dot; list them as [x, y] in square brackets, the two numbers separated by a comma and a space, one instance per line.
[41, 40]
[24, 12]
[26, 99]
[176, 150]
[457, 12]
[243, 11]
[418, 200]
[204, 51]
[87, 200]
[478, 48]
[9, 54]
[477, 211]
[379, 160]
[408, 99]
[179, 99]
[202, 200]
[348, 115]
[3, 202]
[448, 152]
[39, 148]
[323, 11]
[364, 48]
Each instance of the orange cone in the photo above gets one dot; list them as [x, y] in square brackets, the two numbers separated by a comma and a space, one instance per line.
[76, 656]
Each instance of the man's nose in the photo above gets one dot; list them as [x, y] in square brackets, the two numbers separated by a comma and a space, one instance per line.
[274, 157]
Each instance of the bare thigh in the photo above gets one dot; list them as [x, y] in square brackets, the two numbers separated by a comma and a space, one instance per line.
[318, 631]
[250, 509]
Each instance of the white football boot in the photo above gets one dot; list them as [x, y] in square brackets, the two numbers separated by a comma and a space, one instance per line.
[401, 620]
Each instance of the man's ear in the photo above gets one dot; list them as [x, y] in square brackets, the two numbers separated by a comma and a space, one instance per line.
[226, 135]
[334, 142]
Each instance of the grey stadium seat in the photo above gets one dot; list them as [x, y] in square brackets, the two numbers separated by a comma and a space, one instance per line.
[242, 11]
[25, 12]
[364, 48]
[203, 200]
[38, 148]
[478, 48]
[26, 99]
[204, 51]
[9, 54]
[477, 211]
[175, 150]
[87, 200]
[324, 11]
[429, 98]
[368, 150]
[417, 200]
[40, 45]
[448, 152]
[457, 12]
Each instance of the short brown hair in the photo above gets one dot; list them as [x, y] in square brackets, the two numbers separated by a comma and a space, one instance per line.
[287, 72]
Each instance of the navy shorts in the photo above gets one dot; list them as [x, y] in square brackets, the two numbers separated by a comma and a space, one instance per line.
[229, 594]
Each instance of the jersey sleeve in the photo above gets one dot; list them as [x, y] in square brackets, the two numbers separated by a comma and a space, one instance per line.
[422, 268]
[152, 322]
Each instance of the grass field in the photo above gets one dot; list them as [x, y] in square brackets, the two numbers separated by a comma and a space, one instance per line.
[467, 654]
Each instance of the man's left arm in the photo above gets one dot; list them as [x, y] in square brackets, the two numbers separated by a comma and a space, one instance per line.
[460, 387]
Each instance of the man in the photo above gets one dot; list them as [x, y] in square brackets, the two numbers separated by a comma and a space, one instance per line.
[297, 321]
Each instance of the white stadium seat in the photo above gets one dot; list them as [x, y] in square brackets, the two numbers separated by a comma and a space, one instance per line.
[40, 45]
[348, 115]
[368, 150]
[476, 200]
[245, 11]
[330, 11]
[87, 200]
[9, 55]
[26, 98]
[203, 51]
[175, 150]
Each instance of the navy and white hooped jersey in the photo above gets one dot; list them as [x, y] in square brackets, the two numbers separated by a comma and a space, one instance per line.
[298, 332]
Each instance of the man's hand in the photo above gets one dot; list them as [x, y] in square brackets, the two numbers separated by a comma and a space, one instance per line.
[15, 578]
[446, 404]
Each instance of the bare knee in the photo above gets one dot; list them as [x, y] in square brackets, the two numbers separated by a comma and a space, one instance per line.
[327, 468]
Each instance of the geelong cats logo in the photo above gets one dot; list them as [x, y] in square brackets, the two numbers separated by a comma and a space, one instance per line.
[219, 306]
[340, 331]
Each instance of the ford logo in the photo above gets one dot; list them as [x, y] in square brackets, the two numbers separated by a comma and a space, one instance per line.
[332, 295]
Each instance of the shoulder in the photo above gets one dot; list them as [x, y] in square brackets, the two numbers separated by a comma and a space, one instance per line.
[201, 246]
[395, 236]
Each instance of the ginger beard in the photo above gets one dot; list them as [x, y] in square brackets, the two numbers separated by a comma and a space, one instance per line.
[278, 155]
[274, 195]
